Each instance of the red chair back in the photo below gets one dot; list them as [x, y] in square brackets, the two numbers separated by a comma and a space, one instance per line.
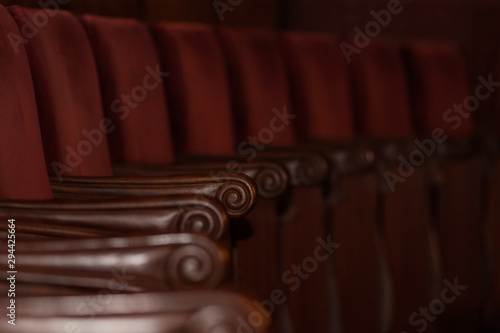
[381, 92]
[133, 92]
[197, 89]
[67, 91]
[320, 84]
[259, 86]
[439, 82]
[23, 174]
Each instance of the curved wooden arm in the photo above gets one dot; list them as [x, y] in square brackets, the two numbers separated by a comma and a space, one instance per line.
[460, 147]
[142, 263]
[345, 157]
[188, 311]
[138, 216]
[304, 167]
[271, 179]
[236, 193]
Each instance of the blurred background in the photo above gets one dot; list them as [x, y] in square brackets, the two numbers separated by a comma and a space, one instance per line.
[471, 23]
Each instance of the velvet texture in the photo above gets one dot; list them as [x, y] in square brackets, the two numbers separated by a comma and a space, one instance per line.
[197, 88]
[259, 85]
[133, 95]
[439, 82]
[320, 86]
[67, 93]
[23, 173]
[381, 92]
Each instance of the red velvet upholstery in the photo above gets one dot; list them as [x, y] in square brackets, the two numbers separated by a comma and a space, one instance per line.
[381, 92]
[126, 58]
[439, 81]
[67, 92]
[258, 78]
[320, 81]
[197, 89]
[23, 173]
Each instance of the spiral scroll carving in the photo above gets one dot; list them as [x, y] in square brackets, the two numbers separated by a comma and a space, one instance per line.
[204, 220]
[271, 183]
[237, 198]
[194, 267]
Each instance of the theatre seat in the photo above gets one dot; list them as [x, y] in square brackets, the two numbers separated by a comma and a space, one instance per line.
[259, 90]
[26, 179]
[322, 97]
[161, 261]
[30, 199]
[406, 234]
[254, 257]
[73, 125]
[443, 102]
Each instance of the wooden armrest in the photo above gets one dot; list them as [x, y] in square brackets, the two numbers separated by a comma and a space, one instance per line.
[188, 311]
[428, 152]
[345, 157]
[441, 147]
[138, 216]
[460, 147]
[304, 167]
[141, 263]
[236, 193]
[271, 179]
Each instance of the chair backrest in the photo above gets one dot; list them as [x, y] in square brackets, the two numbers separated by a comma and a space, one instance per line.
[23, 174]
[198, 90]
[133, 92]
[439, 83]
[259, 85]
[64, 74]
[320, 85]
[381, 92]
